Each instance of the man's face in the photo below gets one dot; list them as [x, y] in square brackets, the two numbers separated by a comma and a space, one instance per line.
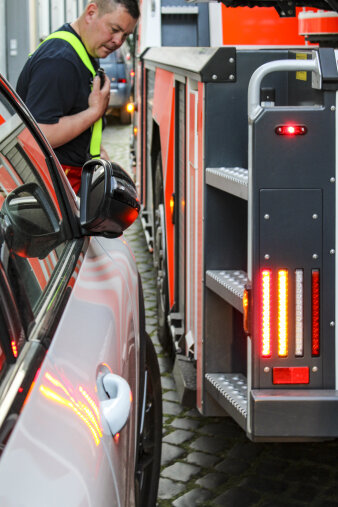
[104, 34]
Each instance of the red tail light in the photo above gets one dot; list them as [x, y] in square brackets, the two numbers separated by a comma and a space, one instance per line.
[122, 80]
[266, 312]
[315, 312]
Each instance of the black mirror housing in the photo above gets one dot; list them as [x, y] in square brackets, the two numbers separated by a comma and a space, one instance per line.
[109, 202]
[29, 223]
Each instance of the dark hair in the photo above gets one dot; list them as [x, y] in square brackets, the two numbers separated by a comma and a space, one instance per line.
[131, 6]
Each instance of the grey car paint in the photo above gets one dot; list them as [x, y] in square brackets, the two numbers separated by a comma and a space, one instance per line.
[60, 437]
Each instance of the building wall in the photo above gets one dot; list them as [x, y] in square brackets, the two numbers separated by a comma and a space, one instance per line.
[25, 24]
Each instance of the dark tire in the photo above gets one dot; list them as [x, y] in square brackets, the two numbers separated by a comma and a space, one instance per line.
[150, 441]
[125, 117]
[160, 261]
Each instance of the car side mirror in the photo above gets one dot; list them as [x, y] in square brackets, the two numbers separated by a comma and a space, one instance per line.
[109, 202]
[29, 222]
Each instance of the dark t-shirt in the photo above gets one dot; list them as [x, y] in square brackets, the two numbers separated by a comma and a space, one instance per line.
[54, 83]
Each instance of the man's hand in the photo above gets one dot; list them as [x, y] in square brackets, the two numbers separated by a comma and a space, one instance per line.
[98, 99]
[69, 127]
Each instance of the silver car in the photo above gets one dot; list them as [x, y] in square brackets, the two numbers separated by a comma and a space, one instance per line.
[80, 396]
[118, 68]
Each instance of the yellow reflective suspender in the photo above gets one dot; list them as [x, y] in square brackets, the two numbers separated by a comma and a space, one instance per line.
[95, 142]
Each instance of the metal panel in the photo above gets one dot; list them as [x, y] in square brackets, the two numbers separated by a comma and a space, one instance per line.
[296, 238]
[294, 414]
[199, 63]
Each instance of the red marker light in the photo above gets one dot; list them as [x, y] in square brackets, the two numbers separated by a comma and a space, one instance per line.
[315, 312]
[291, 130]
[266, 312]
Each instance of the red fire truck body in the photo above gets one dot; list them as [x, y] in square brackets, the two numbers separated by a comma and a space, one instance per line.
[235, 159]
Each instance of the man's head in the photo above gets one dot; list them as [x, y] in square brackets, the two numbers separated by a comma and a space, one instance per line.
[105, 25]
[131, 6]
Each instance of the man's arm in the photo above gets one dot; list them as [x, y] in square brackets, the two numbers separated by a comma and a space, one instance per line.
[69, 127]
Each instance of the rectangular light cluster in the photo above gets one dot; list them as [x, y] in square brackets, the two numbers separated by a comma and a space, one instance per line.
[275, 288]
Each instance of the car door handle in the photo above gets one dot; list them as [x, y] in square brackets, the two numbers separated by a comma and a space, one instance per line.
[116, 408]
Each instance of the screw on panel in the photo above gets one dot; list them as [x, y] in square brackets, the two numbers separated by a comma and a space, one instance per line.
[231, 77]
[315, 369]
[266, 216]
[333, 179]
[267, 256]
[332, 323]
[332, 251]
[315, 256]
[214, 77]
[266, 369]
[333, 108]
[315, 216]
[231, 60]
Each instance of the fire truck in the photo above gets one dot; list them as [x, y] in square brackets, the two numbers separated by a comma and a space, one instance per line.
[234, 154]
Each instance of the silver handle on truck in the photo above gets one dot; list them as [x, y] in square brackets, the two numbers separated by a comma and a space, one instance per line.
[254, 107]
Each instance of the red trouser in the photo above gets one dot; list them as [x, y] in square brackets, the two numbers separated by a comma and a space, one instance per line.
[73, 174]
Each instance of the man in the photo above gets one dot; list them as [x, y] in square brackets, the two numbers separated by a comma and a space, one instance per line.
[59, 89]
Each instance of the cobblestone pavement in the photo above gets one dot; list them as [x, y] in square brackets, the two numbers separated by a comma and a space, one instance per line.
[210, 461]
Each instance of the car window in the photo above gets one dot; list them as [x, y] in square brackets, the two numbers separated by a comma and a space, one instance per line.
[30, 215]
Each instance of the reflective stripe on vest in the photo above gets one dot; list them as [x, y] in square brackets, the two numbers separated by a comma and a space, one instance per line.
[95, 142]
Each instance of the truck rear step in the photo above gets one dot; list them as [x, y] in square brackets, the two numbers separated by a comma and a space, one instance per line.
[230, 392]
[233, 180]
[229, 285]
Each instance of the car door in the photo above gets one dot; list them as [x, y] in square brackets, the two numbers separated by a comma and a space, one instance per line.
[68, 335]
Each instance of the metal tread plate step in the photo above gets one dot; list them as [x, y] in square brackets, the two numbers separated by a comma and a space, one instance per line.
[230, 391]
[229, 285]
[233, 180]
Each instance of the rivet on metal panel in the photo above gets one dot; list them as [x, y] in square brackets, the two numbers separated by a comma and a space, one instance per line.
[266, 369]
[315, 216]
[231, 77]
[266, 216]
[267, 256]
[214, 77]
[333, 108]
[332, 323]
[315, 369]
[333, 179]
[231, 60]
[332, 251]
[315, 256]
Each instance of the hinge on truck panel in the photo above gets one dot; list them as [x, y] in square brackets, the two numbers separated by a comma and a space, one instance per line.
[147, 229]
[176, 326]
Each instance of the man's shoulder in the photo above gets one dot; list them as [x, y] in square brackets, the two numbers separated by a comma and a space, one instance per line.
[57, 50]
